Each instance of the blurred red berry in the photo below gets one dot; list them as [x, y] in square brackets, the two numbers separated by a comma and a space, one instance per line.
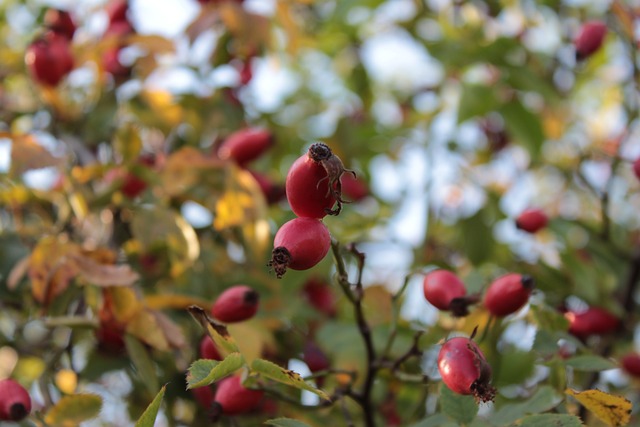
[631, 364]
[236, 304]
[636, 167]
[15, 402]
[232, 398]
[320, 295]
[208, 349]
[60, 22]
[354, 188]
[508, 294]
[532, 220]
[49, 59]
[593, 321]
[246, 145]
[589, 39]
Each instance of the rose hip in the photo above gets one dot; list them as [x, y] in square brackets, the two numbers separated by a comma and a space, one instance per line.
[246, 145]
[208, 349]
[445, 291]
[592, 321]
[236, 304]
[232, 398]
[508, 294]
[15, 402]
[49, 59]
[299, 244]
[532, 220]
[589, 39]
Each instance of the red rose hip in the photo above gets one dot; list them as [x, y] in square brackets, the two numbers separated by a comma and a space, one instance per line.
[589, 39]
[232, 398]
[465, 370]
[60, 22]
[299, 244]
[508, 294]
[246, 145]
[532, 220]
[15, 402]
[208, 349]
[320, 296]
[445, 291]
[631, 364]
[313, 183]
[636, 167]
[49, 59]
[352, 187]
[236, 304]
[592, 321]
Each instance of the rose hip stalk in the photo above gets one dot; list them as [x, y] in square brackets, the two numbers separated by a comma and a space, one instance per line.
[445, 291]
[299, 244]
[313, 183]
[236, 304]
[15, 402]
[465, 370]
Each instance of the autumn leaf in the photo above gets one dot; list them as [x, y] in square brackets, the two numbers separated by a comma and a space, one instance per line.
[611, 409]
[104, 275]
[51, 268]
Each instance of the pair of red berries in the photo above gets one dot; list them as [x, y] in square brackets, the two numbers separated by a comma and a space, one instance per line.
[15, 402]
[49, 58]
[505, 295]
[313, 188]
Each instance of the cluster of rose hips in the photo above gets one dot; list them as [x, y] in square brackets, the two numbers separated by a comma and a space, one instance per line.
[314, 190]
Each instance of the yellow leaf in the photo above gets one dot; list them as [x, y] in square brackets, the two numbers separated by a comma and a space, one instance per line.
[163, 105]
[241, 204]
[144, 326]
[71, 410]
[51, 268]
[611, 409]
[123, 303]
[174, 301]
[252, 338]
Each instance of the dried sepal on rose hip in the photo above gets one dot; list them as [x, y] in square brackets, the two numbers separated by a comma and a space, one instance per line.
[465, 370]
[445, 291]
[313, 183]
[299, 245]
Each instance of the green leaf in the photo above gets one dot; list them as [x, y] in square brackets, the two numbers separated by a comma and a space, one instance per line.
[217, 331]
[435, 420]
[476, 237]
[461, 408]
[549, 420]
[544, 399]
[148, 417]
[276, 373]
[286, 422]
[549, 318]
[204, 371]
[515, 367]
[476, 100]
[142, 362]
[590, 363]
[71, 410]
[524, 125]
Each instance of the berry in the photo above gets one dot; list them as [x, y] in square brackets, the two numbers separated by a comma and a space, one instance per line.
[60, 22]
[589, 39]
[532, 220]
[273, 192]
[246, 145]
[320, 295]
[592, 321]
[204, 396]
[508, 294]
[208, 349]
[299, 244]
[441, 288]
[117, 10]
[15, 402]
[112, 65]
[636, 167]
[313, 183]
[465, 370]
[236, 304]
[119, 29]
[49, 59]
[232, 398]
[631, 364]
[354, 188]
[314, 357]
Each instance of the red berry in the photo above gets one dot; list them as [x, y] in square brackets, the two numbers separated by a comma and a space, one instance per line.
[49, 59]
[60, 22]
[133, 185]
[236, 304]
[110, 338]
[589, 39]
[117, 10]
[112, 65]
[532, 220]
[593, 321]
[354, 188]
[299, 244]
[631, 364]
[636, 167]
[315, 358]
[204, 396]
[15, 402]
[320, 295]
[246, 145]
[232, 398]
[441, 287]
[273, 192]
[464, 369]
[508, 294]
[208, 349]
[313, 183]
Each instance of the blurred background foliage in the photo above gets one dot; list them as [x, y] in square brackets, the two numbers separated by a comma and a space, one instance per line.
[115, 209]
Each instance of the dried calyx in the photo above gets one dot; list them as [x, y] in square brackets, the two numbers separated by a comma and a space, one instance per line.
[321, 153]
